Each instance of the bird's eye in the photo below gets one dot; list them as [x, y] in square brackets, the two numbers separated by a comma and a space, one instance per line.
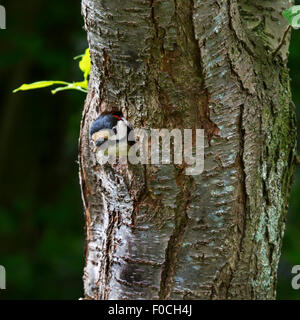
[100, 142]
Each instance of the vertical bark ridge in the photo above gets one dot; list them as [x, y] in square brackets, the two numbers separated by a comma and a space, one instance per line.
[175, 243]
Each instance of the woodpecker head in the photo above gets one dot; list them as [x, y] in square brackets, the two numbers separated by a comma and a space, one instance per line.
[111, 128]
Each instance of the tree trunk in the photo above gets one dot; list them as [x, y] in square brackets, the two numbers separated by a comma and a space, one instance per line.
[151, 230]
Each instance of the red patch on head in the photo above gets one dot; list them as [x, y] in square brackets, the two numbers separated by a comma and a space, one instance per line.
[117, 117]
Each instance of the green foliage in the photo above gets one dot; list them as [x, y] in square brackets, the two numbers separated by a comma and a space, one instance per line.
[85, 63]
[41, 220]
[85, 67]
[293, 16]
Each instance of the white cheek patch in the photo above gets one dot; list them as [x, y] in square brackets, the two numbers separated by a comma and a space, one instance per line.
[121, 129]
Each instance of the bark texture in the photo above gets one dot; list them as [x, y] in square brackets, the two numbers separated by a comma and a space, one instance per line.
[152, 231]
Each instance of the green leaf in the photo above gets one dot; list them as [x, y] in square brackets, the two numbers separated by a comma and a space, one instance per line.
[85, 67]
[293, 16]
[85, 63]
[38, 85]
[80, 86]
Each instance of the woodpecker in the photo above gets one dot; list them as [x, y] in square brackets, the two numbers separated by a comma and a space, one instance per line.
[110, 132]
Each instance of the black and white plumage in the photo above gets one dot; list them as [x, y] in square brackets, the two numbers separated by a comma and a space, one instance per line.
[110, 133]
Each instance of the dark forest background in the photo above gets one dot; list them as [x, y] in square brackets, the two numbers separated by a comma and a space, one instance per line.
[41, 216]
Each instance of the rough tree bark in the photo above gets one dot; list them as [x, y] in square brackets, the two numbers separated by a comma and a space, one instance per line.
[152, 231]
